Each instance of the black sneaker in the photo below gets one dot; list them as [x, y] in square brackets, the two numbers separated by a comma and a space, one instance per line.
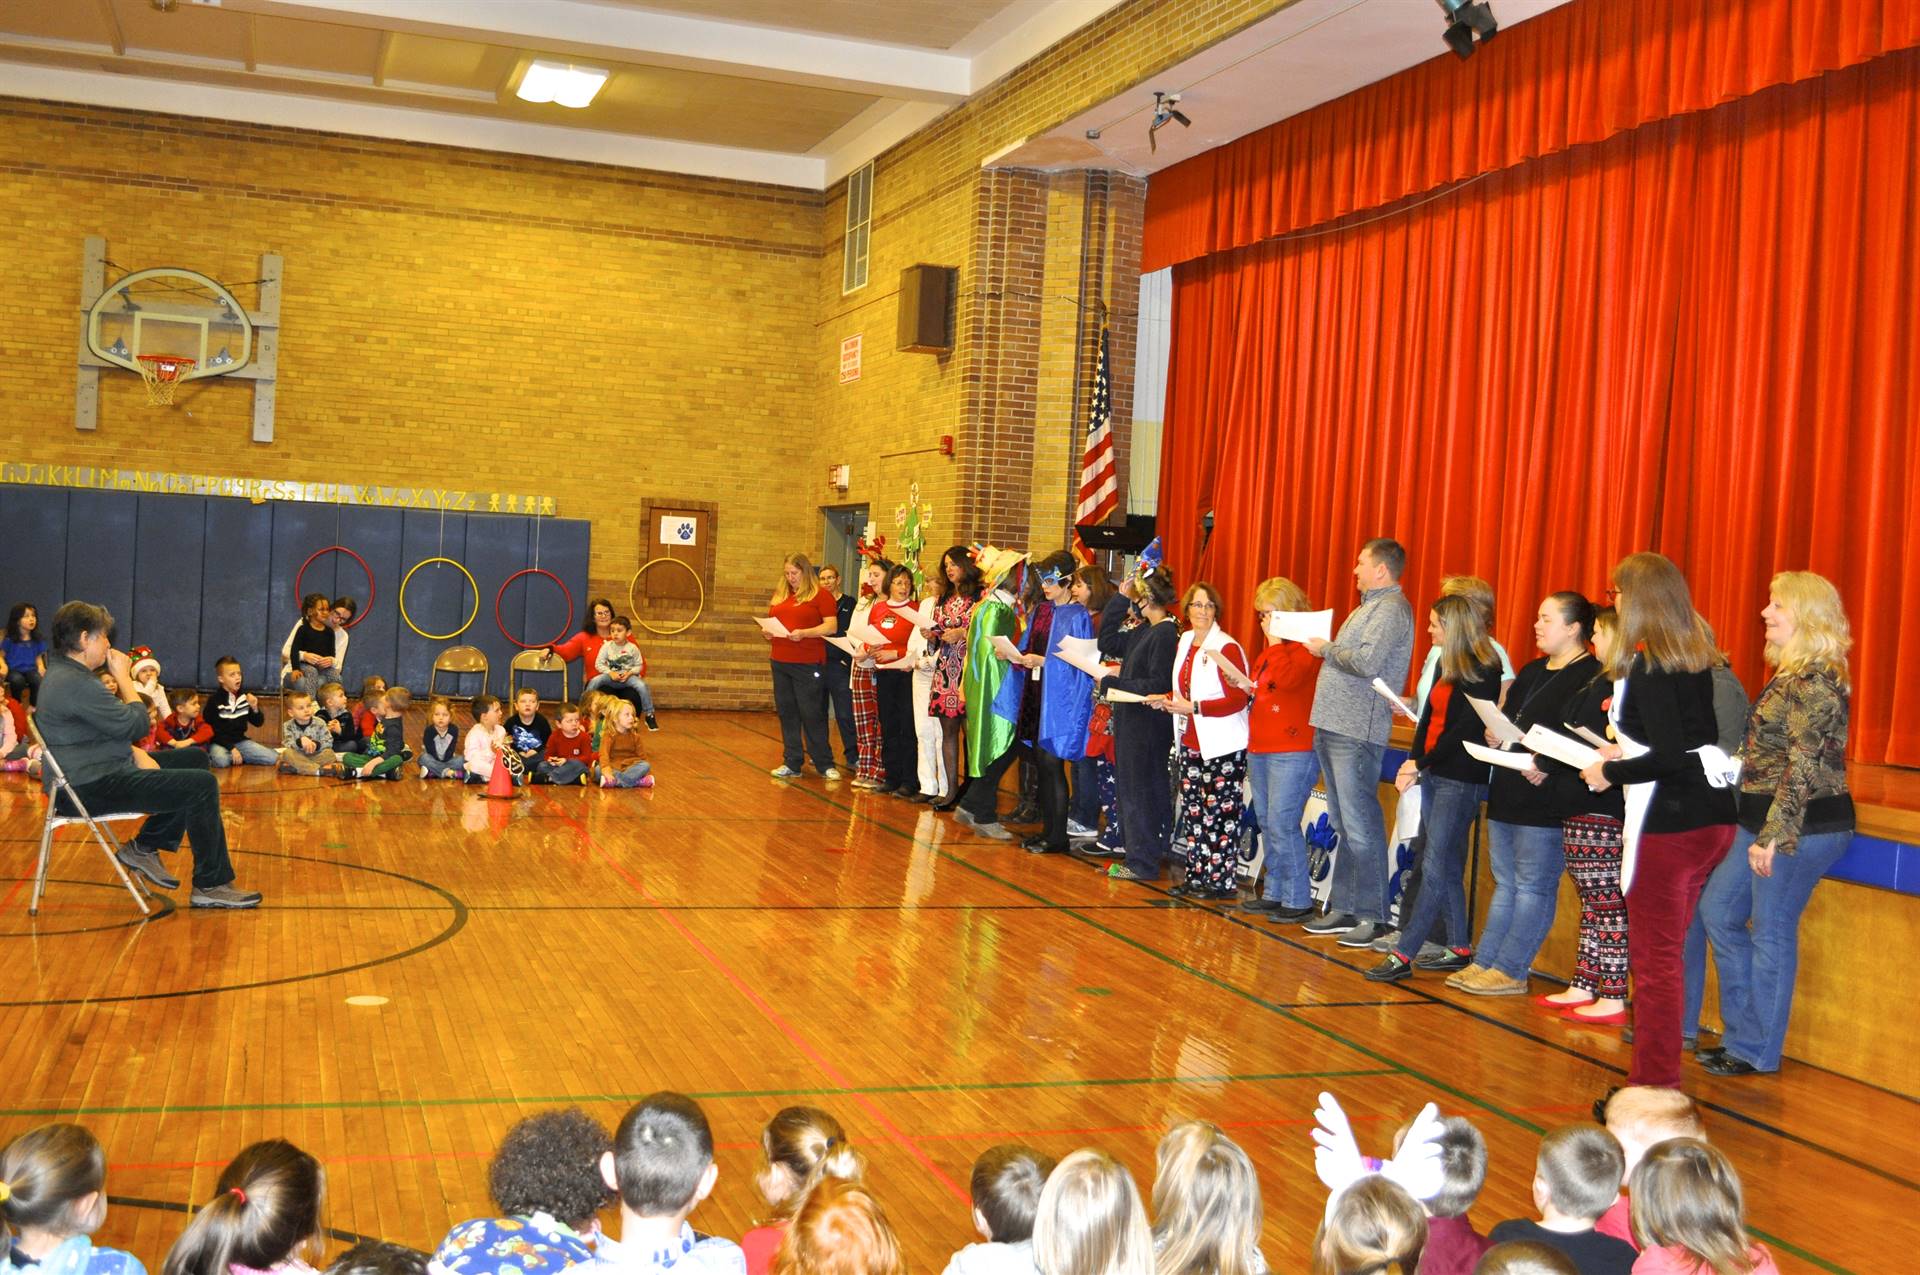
[1331, 923]
[1290, 916]
[1446, 962]
[653, 723]
[1391, 970]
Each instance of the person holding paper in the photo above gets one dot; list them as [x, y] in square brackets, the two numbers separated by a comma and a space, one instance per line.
[1210, 747]
[838, 679]
[1452, 786]
[1094, 791]
[935, 780]
[799, 662]
[960, 588]
[869, 769]
[1066, 701]
[893, 687]
[1035, 609]
[1796, 820]
[1143, 734]
[1280, 761]
[1663, 698]
[1523, 816]
[1350, 723]
[992, 690]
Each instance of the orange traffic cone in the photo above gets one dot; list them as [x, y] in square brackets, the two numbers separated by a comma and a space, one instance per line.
[500, 783]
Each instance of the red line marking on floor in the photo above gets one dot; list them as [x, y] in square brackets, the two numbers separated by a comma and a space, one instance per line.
[799, 1042]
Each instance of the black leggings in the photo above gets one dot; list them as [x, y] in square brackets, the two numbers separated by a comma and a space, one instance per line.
[24, 684]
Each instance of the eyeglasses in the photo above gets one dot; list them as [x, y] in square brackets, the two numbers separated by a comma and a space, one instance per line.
[1198, 603]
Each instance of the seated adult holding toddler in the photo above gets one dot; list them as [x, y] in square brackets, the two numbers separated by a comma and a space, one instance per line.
[90, 732]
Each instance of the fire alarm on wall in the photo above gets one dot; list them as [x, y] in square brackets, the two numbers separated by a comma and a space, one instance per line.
[839, 477]
[946, 444]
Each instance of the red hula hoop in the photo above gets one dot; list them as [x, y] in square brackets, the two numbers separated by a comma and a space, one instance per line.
[365, 610]
[502, 625]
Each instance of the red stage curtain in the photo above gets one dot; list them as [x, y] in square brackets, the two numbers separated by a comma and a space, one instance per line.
[1580, 73]
[1698, 336]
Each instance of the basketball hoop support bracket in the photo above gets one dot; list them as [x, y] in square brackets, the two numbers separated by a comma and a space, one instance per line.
[261, 369]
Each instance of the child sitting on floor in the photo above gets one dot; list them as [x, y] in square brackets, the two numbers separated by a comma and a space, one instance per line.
[307, 743]
[1005, 1186]
[156, 737]
[264, 1216]
[339, 719]
[440, 756]
[486, 740]
[385, 749]
[1089, 1220]
[570, 753]
[1575, 1179]
[527, 732]
[1689, 1214]
[364, 718]
[621, 765]
[803, 1147]
[1639, 1116]
[1452, 1243]
[840, 1230]
[545, 1181]
[1206, 1204]
[55, 1199]
[184, 727]
[662, 1166]
[230, 714]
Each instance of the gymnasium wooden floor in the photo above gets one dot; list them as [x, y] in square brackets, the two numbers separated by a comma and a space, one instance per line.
[756, 943]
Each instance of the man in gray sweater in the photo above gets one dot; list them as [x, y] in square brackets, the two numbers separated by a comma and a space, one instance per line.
[91, 735]
[1350, 723]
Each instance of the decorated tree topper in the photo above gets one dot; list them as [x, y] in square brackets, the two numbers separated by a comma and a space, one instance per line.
[913, 519]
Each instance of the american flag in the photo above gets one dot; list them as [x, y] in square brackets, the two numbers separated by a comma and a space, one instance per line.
[1099, 486]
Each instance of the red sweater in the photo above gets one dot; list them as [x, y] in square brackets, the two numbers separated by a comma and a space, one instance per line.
[896, 629]
[1284, 678]
[1230, 700]
[172, 728]
[564, 747]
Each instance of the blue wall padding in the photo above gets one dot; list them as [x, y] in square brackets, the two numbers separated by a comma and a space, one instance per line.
[168, 546]
[236, 615]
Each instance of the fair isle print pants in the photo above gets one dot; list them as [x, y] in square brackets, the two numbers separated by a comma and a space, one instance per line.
[1593, 861]
[1208, 832]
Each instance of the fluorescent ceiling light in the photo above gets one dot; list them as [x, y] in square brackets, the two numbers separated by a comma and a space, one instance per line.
[561, 82]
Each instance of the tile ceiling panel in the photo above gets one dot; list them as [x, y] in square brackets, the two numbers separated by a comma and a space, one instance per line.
[926, 24]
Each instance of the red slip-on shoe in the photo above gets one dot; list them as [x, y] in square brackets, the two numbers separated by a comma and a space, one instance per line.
[1616, 1019]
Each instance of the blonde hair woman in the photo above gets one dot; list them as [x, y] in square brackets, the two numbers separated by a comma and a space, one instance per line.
[799, 660]
[1281, 765]
[1206, 1205]
[1090, 1221]
[1663, 700]
[1795, 821]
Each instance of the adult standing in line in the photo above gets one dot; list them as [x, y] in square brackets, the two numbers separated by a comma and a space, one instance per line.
[893, 687]
[1117, 624]
[1663, 699]
[1209, 703]
[1143, 733]
[799, 662]
[934, 779]
[839, 675]
[1280, 763]
[867, 763]
[993, 690]
[1066, 702]
[315, 651]
[1351, 722]
[1796, 820]
[1524, 816]
[1093, 790]
[952, 610]
[91, 731]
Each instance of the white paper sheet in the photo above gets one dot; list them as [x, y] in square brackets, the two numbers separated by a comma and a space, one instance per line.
[1228, 671]
[1495, 757]
[1006, 650]
[1081, 653]
[1406, 817]
[1117, 696]
[861, 631]
[1591, 737]
[1638, 798]
[917, 618]
[1399, 705]
[1298, 626]
[1722, 771]
[1551, 743]
[851, 647]
[905, 662]
[770, 626]
[1498, 724]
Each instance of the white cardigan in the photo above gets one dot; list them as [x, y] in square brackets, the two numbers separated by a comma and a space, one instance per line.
[340, 637]
[1219, 736]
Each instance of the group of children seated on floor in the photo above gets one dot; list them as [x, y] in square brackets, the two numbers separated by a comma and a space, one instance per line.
[596, 741]
[554, 1173]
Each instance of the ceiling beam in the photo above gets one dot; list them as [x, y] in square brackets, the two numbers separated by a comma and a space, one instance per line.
[115, 36]
[383, 59]
[607, 33]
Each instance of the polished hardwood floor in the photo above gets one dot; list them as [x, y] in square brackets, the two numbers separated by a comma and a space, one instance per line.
[757, 943]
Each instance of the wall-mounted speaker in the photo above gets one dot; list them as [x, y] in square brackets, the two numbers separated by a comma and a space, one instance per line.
[926, 309]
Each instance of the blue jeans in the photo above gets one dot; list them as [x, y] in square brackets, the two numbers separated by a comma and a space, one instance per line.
[601, 682]
[432, 767]
[1350, 772]
[561, 770]
[1281, 783]
[1757, 967]
[1447, 811]
[1527, 863]
[245, 753]
[631, 776]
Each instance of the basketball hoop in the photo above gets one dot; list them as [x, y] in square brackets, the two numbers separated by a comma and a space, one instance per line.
[163, 373]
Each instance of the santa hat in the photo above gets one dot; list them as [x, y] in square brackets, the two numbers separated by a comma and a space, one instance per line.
[142, 657]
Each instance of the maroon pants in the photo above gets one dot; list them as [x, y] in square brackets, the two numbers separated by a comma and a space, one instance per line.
[1668, 875]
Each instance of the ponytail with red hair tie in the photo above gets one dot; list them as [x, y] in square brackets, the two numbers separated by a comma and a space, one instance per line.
[236, 1191]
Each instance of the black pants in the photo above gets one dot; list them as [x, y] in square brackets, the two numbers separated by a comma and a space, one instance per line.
[1053, 798]
[899, 742]
[24, 684]
[802, 705]
[1140, 755]
[182, 797]
[838, 691]
[982, 799]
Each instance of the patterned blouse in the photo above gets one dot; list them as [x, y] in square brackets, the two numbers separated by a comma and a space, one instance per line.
[1794, 774]
[949, 700]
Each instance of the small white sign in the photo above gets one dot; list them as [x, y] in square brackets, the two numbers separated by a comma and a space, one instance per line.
[678, 529]
[850, 358]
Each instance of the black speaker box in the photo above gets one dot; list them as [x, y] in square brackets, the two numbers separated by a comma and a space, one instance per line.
[926, 309]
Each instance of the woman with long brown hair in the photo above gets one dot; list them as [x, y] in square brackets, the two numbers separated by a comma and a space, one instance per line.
[799, 661]
[1662, 702]
[951, 613]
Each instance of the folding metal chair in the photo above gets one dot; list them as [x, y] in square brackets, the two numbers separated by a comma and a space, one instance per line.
[96, 824]
[535, 662]
[458, 660]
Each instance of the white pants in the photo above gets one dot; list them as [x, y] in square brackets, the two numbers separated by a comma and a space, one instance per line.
[933, 779]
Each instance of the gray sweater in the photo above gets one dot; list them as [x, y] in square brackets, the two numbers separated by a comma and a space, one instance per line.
[90, 730]
[1375, 641]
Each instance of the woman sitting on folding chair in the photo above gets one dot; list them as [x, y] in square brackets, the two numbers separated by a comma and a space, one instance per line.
[90, 731]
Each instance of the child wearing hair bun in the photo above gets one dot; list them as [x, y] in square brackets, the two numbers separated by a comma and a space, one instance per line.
[803, 1146]
[53, 1197]
[264, 1217]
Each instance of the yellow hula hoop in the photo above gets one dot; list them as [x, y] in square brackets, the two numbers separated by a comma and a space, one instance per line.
[471, 583]
[633, 607]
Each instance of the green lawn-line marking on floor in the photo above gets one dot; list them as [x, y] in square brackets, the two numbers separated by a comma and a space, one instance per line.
[1222, 984]
[558, 1100]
